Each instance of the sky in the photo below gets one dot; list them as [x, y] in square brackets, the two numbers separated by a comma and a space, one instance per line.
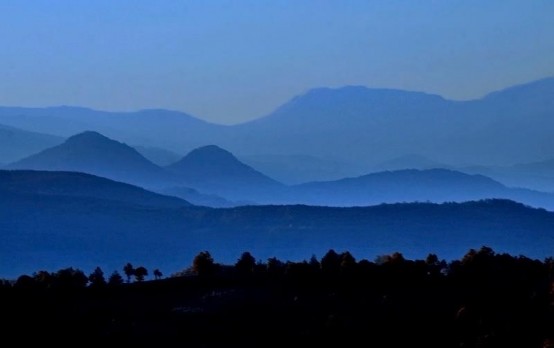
[232, 61]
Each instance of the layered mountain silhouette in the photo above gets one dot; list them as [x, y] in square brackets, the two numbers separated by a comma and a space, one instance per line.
[91, 152]
[42, 231]
[360, 125]
[214, 177]
[55, 216]
[165, 129]
[433, 185]
[352, 124]
[207, 175]
[16, 143]
[210, 169]
[364, 125]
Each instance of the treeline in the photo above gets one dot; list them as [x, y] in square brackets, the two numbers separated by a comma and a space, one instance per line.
[344, 264]
[72, 278]
[485, 299]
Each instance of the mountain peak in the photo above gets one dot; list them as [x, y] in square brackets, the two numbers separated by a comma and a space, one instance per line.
[352, 103]
[93, 153]
[213, 152]
[88, 135]
[209, 158]
[214, 170]
[94, 141]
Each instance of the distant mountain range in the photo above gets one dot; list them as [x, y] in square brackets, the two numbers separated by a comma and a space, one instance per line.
[213, 176]
[369, 126]
[432, 185]
[353, 124]
[354, 144]
[202, 176]
[171, 130]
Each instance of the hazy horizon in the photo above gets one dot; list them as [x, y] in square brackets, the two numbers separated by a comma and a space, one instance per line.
[229, 62]
[261, 116]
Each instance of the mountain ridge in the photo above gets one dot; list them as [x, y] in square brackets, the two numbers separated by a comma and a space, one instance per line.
[350, 125]
[218, 178]
[413, 185]
[94, 153]
[89, 232]
[74, 184]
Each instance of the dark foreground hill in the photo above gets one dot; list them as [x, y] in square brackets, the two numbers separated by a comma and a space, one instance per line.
[70, 184]
[54, 231]
[485, 299]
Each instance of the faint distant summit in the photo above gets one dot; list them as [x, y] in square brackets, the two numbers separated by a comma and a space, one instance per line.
[359, 91]
[354, 98]
[543, 88]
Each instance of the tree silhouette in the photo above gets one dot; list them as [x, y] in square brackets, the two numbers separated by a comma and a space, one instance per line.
[129, 271]
[70, 278]
[157, 274]
[203, 264]
[5, 284]
[347, 262]
[395, 258]
[140, 273]
[432, 260]
[315, 265]
[96, 278]
[43, 279]
[25, 282]
[330, 262]
[115, 279]
[245, 264]
[275, 266]
[489, 300]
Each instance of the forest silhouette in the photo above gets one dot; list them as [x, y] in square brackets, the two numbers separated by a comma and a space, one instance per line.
[485, 299]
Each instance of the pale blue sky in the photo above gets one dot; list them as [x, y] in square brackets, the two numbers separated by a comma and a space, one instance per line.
[229, 61]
